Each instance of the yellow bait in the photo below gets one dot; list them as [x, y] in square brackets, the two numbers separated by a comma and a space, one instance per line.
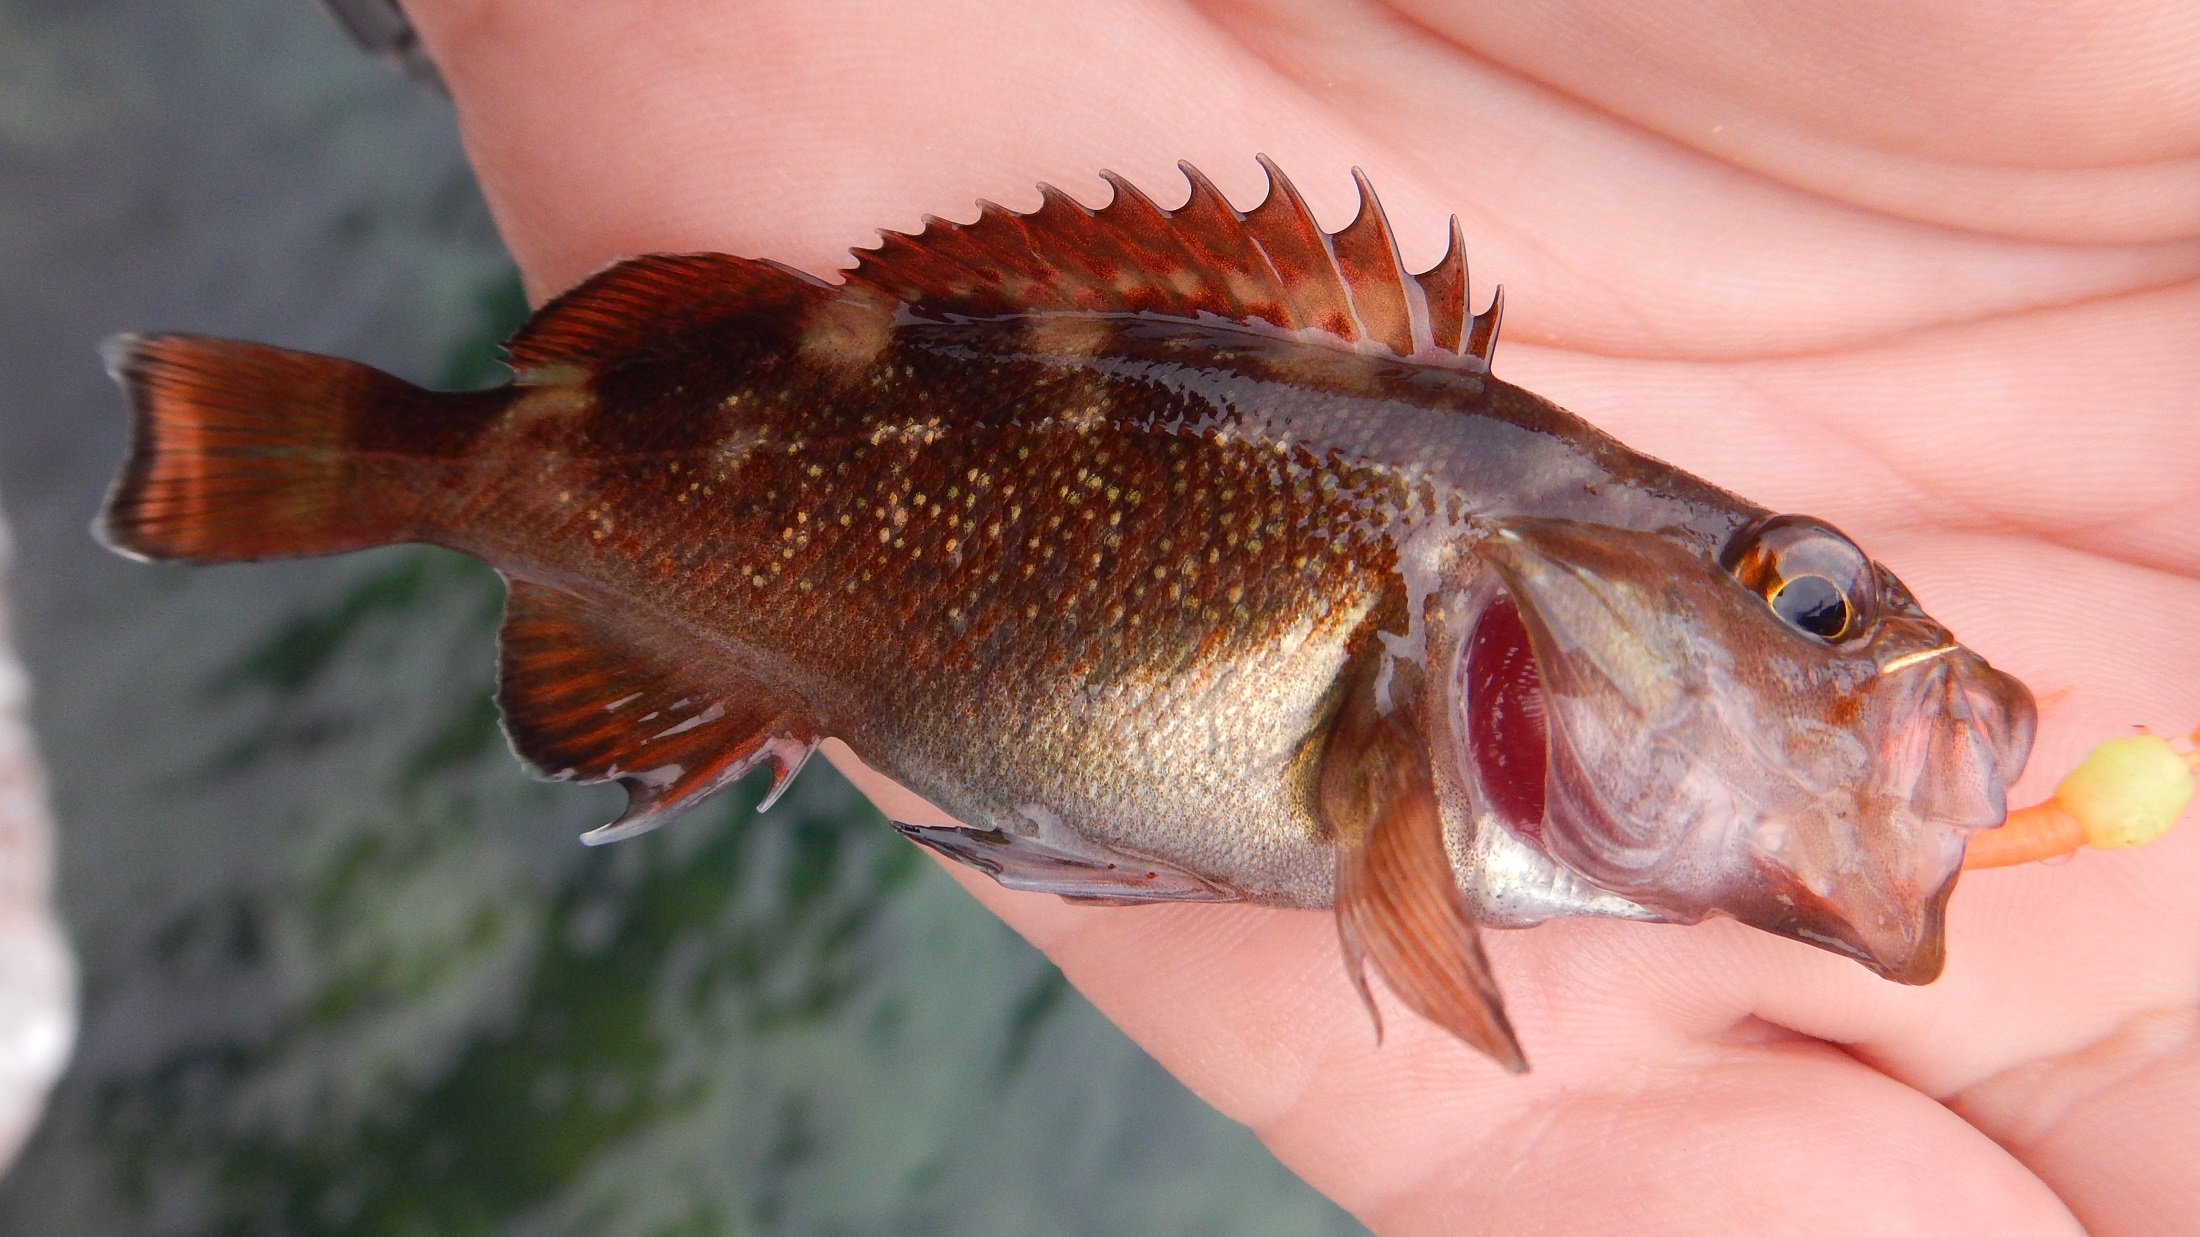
[2128, 792]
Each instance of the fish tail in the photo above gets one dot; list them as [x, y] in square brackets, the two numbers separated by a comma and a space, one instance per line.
[242, 451]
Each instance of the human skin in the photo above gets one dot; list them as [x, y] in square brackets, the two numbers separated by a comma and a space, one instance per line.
[1931, 272]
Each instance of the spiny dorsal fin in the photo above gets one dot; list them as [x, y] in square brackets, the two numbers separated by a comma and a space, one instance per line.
[643, 305]
[590, 695]
[1272, 266]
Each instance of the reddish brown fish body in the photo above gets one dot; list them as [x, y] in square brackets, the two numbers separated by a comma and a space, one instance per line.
[1192, 589]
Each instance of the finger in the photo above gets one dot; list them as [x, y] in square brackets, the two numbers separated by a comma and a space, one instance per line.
[793, 130]
[2109, 1125]
[2066, 121]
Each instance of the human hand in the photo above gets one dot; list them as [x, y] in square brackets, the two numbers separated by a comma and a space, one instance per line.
[1928, 273]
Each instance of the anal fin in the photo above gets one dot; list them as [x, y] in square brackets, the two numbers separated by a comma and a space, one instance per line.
[1398, 899]
[591, 696]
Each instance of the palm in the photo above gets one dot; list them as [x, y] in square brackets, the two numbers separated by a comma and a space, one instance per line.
[1956, 321]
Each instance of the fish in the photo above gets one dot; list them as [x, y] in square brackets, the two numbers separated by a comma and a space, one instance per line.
[1182, 555]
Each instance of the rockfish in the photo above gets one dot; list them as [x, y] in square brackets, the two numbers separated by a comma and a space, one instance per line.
[1182, 555]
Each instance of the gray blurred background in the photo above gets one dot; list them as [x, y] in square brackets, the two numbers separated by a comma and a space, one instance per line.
[345, 969]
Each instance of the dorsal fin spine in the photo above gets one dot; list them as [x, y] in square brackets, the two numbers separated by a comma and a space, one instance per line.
[1444, 290]
[1165, 256]
[1382, 306]
[1207, 209]
[1313, 289]
[1482, 341]
[1272, 267]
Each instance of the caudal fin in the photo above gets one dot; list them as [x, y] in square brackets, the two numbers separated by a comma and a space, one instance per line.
[242, 451]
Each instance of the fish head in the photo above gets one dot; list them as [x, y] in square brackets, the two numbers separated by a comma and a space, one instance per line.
[1776, 733]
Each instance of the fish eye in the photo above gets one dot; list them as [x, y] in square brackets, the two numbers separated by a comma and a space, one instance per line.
[1815, 604]
[1815, 579]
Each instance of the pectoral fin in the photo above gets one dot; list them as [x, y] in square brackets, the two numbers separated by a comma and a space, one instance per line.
[1398, 898]
[591, 696]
